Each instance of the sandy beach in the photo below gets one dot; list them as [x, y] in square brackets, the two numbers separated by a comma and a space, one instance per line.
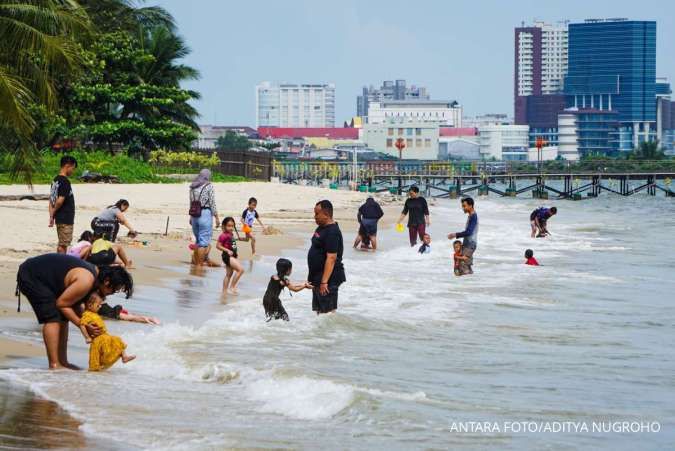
[287, 208]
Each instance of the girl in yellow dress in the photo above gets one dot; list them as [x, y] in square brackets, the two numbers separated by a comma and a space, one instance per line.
[105, 349]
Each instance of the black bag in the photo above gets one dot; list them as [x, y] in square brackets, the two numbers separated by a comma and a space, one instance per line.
[196, 205]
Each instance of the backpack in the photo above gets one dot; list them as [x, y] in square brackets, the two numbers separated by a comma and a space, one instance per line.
[196, 205]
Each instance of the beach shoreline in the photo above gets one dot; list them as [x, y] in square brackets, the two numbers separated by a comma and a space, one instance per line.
[294, 227]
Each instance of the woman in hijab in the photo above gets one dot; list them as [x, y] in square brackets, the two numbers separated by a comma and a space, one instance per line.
[203, 211]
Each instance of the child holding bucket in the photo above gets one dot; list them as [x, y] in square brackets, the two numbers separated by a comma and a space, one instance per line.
[248, 218]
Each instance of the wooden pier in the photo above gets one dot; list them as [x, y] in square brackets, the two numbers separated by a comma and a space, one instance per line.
[452, 180]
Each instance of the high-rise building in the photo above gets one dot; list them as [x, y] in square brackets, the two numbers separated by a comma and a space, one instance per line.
[390, 90]
[665, 132]
[294, 105]
[612, 66]
[540, 63]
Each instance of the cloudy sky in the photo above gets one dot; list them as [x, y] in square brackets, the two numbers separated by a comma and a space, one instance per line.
[459, 50]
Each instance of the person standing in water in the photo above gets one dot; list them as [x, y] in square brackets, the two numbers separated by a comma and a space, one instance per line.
[368, 216]
[56, 285]
[203, 213]
[470, 236]
[538, 220]
[326, 272]
[62, 204]
[418, 215]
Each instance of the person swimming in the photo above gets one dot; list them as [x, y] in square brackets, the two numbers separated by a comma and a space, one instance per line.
[425, 248]
[274, 309]
[529, 258]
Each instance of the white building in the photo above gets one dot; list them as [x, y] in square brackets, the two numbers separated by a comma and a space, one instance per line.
[503, 142]
[442, 112]
[420, 138]
[568, 142]
[541, 52]
[294, 105]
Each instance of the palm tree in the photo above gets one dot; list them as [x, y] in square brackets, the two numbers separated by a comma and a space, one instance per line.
[124, 15]
[167, 48]
[39, 44]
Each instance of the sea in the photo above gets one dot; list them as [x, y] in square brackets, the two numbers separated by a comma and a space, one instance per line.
[574, 354]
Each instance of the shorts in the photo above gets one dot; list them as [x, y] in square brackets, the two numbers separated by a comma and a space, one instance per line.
[202, 228]
[65, 234]
[41, 298]
[103, 258]
[226, 258]
[327, 303]
[369, 226]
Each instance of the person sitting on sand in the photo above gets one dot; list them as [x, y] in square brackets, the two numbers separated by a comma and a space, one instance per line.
[538, 220]
[529, 258]
[105, 253]
[107, 223]
[425, 248]
[227, 244]
[271, 302]
[105, 349]
[83, 247]
[248, 218]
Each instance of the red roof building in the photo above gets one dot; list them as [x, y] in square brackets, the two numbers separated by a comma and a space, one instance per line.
[331, 133]
[460, 131]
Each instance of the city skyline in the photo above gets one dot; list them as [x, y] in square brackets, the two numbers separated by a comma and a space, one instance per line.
[448, 44]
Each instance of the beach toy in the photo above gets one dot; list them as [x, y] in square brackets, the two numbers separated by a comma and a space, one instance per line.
[399, 227]
[246, 228]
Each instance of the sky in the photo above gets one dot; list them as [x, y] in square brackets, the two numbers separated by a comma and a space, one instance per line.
[459, 50]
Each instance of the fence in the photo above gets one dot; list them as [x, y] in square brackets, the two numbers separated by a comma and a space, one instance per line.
[245, 163]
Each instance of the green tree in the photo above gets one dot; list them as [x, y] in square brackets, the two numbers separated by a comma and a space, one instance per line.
[232, 141]
[647, 150]
[39, 44]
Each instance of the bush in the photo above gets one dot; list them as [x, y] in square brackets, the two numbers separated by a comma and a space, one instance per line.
[127, 169]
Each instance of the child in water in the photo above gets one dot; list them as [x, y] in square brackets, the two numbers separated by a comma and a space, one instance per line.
[425, 248]
[529, 258]
[248, 218]
[271, 302]
[105, 349]
[227, 244]
[458, 256]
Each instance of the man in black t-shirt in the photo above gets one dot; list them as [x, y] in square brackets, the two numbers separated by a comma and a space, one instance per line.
[62, 204]
[418, 215]
[326, 272]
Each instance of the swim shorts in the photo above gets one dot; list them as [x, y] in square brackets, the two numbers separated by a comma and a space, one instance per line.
[327, 303]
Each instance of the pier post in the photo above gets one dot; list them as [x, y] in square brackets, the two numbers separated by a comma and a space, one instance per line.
[511, 190]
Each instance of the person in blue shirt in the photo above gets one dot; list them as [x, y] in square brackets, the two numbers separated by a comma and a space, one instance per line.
[538, 220]
[469, 235]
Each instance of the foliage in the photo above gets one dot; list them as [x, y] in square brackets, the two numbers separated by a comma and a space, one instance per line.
[129, 170]
[184, 159]
[93, 72]
[647, 150]
[232, 141]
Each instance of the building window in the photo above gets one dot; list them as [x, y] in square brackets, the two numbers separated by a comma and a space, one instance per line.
[390, 142]
[409, 131]
[418, 143]
[400, 132]
[390, 132]
[427, 142]
[418, 132]
[408, 143]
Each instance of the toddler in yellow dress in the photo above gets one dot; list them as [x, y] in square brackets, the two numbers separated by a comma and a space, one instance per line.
[105, 349]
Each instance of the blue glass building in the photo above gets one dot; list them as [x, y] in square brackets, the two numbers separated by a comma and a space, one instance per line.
[612, 66]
